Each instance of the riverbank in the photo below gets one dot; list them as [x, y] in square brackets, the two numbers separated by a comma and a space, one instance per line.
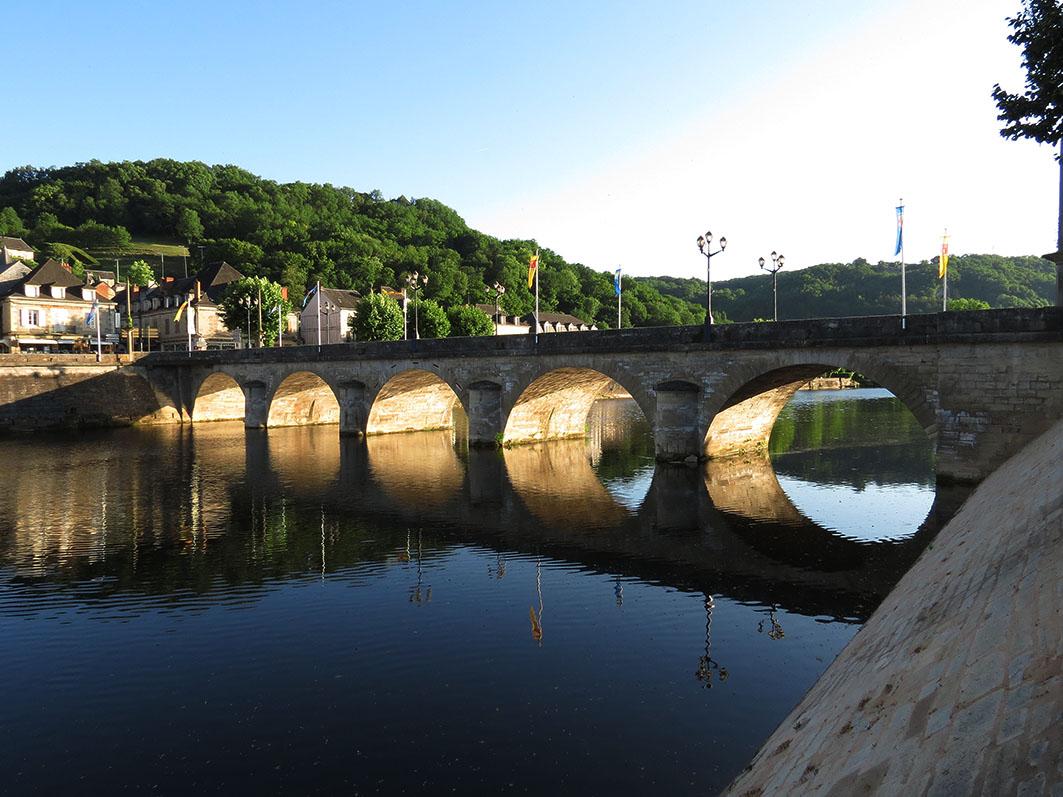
[955, 684]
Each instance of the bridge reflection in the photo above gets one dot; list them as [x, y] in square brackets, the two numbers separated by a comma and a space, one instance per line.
[253, 506]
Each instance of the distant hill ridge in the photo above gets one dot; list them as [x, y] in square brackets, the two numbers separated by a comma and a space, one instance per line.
[299, 233]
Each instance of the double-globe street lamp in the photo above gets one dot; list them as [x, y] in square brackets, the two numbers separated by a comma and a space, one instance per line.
[497, 290]
[416, 283]
[777, 261]
[705, 247]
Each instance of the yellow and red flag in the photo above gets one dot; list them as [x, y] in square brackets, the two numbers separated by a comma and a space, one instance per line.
[943, 261]
[533, 266]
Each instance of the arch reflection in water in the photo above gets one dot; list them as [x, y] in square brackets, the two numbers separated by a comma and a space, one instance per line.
[855, 461]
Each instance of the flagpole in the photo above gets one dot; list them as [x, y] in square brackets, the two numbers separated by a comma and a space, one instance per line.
[99, 339]
[619, 293]
[280, 328]
[538, 265]
[944, 264]
[317, 295]
[904, 289]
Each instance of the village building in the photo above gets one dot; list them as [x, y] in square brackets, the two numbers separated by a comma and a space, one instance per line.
[522, 325]
[48, 308]
[330, 310]
[13, 250]
[154, 310]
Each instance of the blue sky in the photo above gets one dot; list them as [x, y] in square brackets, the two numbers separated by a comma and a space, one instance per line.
[612, 132]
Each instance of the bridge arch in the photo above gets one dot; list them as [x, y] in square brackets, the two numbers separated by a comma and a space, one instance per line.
[413, 401]
[555, 404]
[303, 398]
[743, 409]
[218, 397]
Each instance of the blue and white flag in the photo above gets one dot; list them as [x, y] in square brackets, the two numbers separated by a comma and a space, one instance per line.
[616, 281]
[310, 293]
[90, 319]
[900, 229]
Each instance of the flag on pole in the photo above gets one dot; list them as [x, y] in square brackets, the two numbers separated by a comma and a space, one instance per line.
[310, 294]
[616, 281]
[900, 229]
[943, 262]
[180, 311]
[533, 266]
[90, 319]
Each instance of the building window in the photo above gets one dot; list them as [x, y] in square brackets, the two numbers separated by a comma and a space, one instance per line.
[31, 318]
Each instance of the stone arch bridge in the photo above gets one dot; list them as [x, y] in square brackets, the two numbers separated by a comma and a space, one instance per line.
[981, 384]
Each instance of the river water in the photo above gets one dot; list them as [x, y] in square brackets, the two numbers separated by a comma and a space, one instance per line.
[219, 610]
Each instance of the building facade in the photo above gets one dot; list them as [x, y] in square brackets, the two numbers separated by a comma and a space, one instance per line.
[154, 310]
[48, 308]
[13, 250]
[330, 310]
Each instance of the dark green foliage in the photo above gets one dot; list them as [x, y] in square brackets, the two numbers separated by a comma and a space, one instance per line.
[968, 304]
[1037, 112]
[299, 233]
[379, 317]
[467, 321]
[11, 224]
[431, 318]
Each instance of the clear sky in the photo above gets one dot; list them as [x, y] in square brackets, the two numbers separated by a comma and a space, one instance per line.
[613, 132]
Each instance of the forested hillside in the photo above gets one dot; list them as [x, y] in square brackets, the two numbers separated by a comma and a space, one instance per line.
[861, 288]
[298, 233]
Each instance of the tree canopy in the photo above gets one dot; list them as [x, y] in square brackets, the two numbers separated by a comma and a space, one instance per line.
[379, 317]
[240, 308]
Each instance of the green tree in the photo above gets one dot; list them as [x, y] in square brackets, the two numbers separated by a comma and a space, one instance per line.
[188, 226]
[467, 321]
[140, 273]
[968, 304]
[10, 223]
[378, 317]
[1037, 112]
[241, 304]
[431, 318]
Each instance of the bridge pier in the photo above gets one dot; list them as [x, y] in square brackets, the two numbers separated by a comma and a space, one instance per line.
[486, 422]
[256, 405]
[675, 430]
[354, 411]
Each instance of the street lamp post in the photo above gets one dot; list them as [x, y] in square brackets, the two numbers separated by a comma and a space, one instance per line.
[777, 261]
[416, 282]
[246, 302]
[705, 247]
[498, 289]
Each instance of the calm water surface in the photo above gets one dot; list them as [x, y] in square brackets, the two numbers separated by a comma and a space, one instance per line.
[220, 610]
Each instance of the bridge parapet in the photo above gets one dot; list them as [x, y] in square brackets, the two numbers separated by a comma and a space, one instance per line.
[1013, 324]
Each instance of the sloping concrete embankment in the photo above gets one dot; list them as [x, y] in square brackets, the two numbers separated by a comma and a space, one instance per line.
[955, 684]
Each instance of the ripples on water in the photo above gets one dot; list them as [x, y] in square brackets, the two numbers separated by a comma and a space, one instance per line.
[215, 609]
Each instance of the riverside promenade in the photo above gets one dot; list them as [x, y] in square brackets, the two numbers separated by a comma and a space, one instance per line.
[955, 685]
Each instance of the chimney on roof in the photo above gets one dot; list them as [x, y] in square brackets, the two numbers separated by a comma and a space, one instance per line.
[169, 279]
[66, 265]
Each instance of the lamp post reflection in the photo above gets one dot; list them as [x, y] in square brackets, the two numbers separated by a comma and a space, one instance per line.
[537, 619]
[419, 593]
[706, 664]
